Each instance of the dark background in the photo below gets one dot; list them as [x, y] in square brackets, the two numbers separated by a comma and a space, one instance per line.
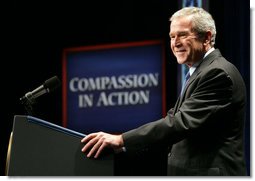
[35, 33]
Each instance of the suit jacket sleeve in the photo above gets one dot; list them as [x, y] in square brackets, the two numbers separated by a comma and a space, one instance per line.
[206, 99]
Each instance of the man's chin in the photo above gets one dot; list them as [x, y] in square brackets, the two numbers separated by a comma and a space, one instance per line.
[181, 61]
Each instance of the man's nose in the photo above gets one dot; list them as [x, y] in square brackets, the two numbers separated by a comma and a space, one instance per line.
[176, 42]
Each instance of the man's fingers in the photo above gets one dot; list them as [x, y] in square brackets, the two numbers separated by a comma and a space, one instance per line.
[89, 144]
[95, 143]
[100, 150]
[88, 137]
[94, 149]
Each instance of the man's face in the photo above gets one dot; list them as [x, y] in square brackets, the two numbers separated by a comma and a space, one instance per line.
[186, 45]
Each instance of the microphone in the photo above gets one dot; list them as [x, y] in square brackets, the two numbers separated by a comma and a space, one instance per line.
[47, 87]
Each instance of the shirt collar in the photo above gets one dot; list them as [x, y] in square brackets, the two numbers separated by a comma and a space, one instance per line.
[209, 51]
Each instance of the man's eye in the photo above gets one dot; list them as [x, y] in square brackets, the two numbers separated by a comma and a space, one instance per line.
[179, 36]
[182, 36]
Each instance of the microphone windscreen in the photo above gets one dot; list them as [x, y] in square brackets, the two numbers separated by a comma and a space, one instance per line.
[52, 83]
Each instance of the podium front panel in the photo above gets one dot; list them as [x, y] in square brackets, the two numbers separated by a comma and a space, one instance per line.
[39, 149]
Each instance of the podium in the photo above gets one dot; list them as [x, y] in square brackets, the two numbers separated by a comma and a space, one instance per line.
[40, 148]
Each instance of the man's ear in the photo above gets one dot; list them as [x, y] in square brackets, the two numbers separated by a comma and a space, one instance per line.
[208, 38]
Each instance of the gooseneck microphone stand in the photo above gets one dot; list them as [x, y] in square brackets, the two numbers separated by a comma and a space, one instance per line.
[28, 105]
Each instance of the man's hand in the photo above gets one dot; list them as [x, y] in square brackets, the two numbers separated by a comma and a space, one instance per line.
[96, 142]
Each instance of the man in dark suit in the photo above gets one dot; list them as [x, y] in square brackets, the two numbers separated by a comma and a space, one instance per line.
[204, 131]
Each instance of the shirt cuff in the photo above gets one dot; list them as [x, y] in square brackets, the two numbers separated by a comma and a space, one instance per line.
[122, 149]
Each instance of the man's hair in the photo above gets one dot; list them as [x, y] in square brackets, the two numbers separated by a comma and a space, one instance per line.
[201, 19]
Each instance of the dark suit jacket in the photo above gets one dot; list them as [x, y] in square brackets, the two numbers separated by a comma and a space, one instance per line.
[205, 128]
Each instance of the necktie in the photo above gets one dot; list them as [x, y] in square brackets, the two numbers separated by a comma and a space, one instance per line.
[187, 76]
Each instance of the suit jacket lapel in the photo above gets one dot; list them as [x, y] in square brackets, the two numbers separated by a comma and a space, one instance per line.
[207, 61]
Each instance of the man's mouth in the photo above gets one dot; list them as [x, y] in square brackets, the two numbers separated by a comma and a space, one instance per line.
[180, 51]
